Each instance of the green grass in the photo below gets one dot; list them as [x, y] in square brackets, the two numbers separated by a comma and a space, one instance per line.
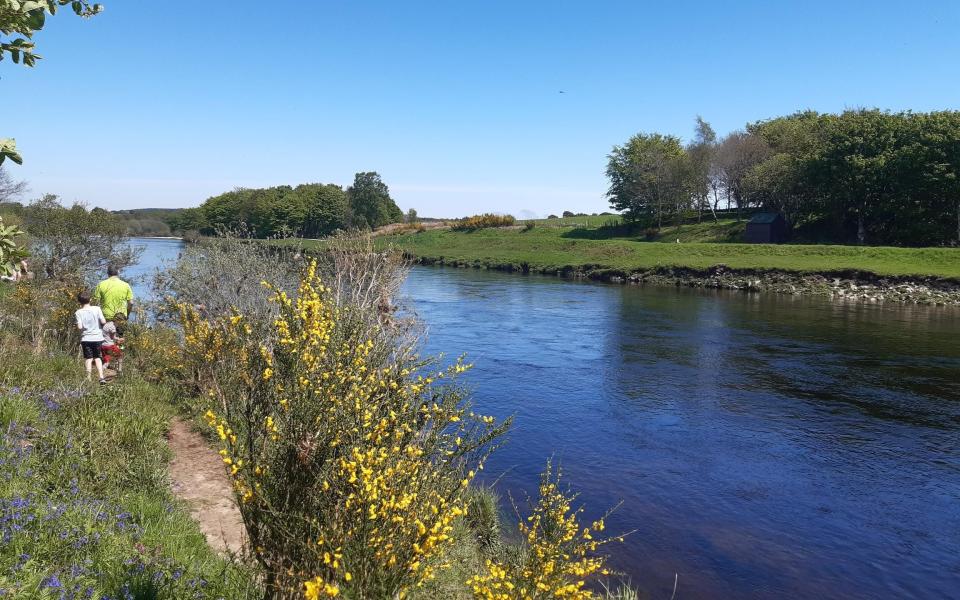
[85, 501]
[550, 249]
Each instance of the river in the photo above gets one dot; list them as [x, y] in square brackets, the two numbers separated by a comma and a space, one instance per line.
[760, 446]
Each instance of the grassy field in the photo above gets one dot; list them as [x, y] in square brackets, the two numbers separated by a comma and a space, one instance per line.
[554, 248]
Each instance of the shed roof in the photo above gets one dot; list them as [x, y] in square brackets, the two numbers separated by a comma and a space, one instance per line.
[764, 217]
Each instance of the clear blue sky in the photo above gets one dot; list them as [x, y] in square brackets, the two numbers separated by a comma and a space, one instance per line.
[456, 104]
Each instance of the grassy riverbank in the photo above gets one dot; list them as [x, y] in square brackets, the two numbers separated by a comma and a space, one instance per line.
[552, 249]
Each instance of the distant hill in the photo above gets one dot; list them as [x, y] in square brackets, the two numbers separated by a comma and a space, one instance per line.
[148, 221]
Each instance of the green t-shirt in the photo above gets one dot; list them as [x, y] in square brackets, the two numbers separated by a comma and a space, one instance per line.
[112, 295]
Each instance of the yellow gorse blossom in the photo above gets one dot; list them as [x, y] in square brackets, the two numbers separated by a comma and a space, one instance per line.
[334, 446]
[562, 554]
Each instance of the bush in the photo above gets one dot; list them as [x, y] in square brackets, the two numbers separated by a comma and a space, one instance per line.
[560, 554]
[651, 233]
[553, 217]
[529, 225]
[567, 214]
[484, 221]
[41, 313]
[349, 462]
[225, 273]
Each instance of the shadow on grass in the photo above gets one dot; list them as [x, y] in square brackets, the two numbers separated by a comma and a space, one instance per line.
[607, 232]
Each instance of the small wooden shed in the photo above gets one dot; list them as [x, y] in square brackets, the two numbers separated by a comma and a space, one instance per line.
[766, 228]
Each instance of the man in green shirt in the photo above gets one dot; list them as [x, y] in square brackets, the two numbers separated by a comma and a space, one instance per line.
[115, 298]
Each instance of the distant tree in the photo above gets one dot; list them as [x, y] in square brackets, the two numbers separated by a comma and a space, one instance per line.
[370, 202]
[19, 20]
[567, 214]
[189, 219]
[10, 189]
[736, 155]
[74, 243]
[701, 152]
[412, 216]
[328, 208]
[553, 217]
[648, 177]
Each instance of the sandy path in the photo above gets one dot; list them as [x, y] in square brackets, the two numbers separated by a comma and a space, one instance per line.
[198, 478]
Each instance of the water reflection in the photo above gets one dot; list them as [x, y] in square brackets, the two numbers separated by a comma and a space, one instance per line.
[762, 445]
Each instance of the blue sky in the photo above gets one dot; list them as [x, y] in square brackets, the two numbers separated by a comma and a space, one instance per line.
[456, 104]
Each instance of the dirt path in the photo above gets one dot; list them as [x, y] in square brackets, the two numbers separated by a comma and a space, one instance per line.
[198, 478]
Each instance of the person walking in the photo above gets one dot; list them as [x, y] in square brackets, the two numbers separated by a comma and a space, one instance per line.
[115, 298]
[89, 321]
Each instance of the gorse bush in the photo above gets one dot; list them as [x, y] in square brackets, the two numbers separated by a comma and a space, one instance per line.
[42, 312]
[560, 554]
[349, 461]
[483, 221]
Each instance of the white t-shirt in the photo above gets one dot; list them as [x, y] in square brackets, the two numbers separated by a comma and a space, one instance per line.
[89, 319]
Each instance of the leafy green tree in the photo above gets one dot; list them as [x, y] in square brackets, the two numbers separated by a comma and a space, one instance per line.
[19, 20]
[189, 219]
[370, 202]
[648, 177]
[412, 216]
[327, 209]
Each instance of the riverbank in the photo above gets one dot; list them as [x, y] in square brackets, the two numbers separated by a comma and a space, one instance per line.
[871, 274]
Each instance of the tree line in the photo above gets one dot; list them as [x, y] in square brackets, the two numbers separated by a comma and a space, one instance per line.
[307, 210]
[865, 176]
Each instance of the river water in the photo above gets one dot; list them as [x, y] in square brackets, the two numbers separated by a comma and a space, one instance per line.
[760, 446]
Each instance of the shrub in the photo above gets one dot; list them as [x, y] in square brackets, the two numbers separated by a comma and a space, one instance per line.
[650, 233]
[529, 225]
[41, 312]
[224, 273]
[553, 217]
[567, 214]
[560, 555]
[484, 221]
[350, 463]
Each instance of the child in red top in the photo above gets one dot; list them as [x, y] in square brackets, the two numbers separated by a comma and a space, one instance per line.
[111, 348]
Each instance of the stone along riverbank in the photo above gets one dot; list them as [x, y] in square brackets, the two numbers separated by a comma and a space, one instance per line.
[859, 286]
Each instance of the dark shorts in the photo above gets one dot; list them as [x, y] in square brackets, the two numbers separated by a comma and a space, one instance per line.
[91, 349]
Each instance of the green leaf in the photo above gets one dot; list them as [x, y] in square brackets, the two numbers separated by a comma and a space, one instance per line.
[8, 149]
[36, 18]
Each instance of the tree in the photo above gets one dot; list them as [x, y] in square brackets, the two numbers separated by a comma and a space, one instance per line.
[74, 243]
[736, 155]
[701, 152]
[10, 189]
[370, 202]
[19, 20]
[412, 216]
[648, 176]
[328, 209]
